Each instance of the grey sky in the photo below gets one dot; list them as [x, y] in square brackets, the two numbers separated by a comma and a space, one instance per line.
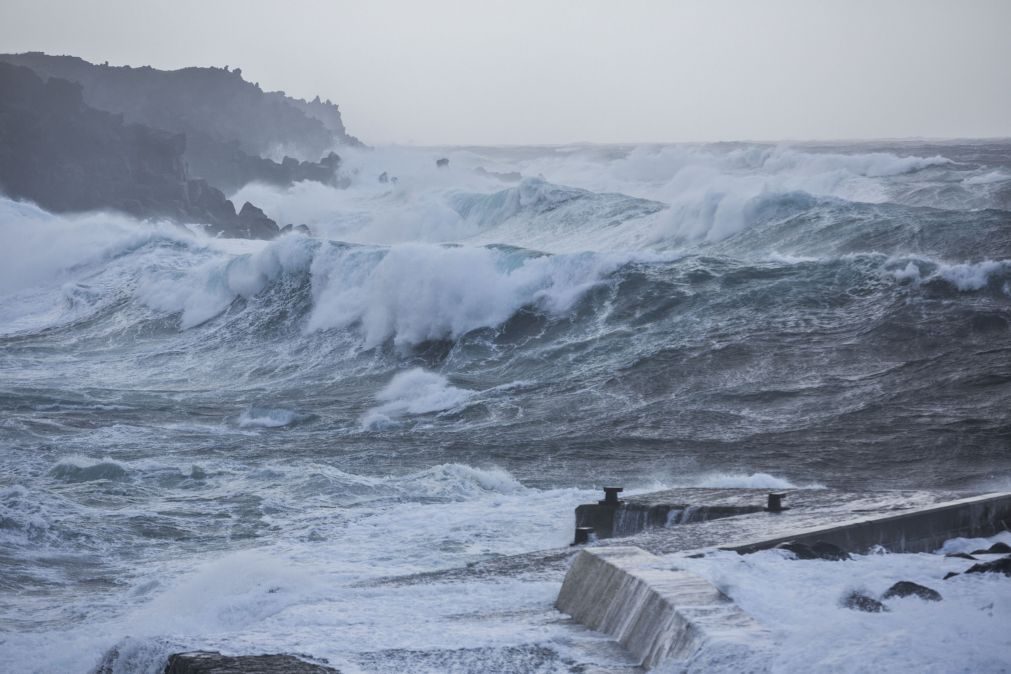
[556, 72]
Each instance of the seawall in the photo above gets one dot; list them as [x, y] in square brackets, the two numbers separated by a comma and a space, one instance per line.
[922, 530]
[660, 614]
[657, 614]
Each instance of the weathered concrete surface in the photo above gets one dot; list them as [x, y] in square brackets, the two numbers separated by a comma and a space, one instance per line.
[666, 508]
[657, 614]
[924, 529]
[209, 662]
[809, 508]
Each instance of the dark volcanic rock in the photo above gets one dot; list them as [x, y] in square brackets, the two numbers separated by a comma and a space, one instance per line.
[253, 223]
[820, 550]
[905, 588]
[1002, 565]
[829, 551]
[231, 125]
[207, 662]
[66, 156]
[961, 555]
[951, 574]
[998, 548]
[442, 163]
[799, 550]
[861, 602]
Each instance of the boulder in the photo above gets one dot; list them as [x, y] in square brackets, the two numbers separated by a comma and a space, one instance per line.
[442, 163]
[829, 551]
[819, 550]
[859, 601]
[799, 550]
[961, 555]
[1002, 565]
[998, 548]
[905, 588]
[211, 662]
[384, 177]
[253, 223]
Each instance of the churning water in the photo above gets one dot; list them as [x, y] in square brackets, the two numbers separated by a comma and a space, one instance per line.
[220, 443]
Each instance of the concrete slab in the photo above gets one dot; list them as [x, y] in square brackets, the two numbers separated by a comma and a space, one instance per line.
[657, 614]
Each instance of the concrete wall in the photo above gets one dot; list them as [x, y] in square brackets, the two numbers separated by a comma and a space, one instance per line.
[922, 530]
[655, 613]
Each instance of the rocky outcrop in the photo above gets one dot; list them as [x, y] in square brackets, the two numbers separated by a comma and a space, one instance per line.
[1002, 565]
[67, 156]
[907, 588]
[232, 126]
[818, 550]
[858, 601]
[209, 662]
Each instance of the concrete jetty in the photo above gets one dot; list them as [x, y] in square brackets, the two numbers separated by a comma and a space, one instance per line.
[660, 614]
[657, 614]
[920, 530]
[613, 517]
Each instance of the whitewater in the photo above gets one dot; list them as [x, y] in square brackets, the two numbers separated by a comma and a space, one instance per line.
[241, 445]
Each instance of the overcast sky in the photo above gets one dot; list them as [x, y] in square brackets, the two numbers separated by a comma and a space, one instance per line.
[542, 71]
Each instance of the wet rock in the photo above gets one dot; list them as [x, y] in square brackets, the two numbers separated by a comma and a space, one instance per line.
[905, 588]
[961, 555]
[253, 223]
[998, 548]
[301, 229]
[209, 662]
[442, 163]
[819, 550]
[829, 551]
[861, 602]
[1002, 565]
[65, 156]
[799, 550]
[951, 574]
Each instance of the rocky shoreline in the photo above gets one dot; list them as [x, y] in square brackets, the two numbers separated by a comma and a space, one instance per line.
[77, 137]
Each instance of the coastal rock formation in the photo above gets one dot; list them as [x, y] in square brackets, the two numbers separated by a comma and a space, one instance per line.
[906, 588]
[67, 156]
[1002, 565]
[819, 550]
[998, 548]
[233, 127]
[210, 662]
[859, 601]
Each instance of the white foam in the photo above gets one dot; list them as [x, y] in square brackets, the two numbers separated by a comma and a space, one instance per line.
[412, 293]
[750, 481]
[800, 602]
[413, 392]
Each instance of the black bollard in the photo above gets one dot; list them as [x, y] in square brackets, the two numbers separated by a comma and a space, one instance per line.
[775, 503]
[611, 496]
[582, 535]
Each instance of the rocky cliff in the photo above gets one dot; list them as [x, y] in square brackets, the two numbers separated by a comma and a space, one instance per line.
[68, 156]
[234, 129]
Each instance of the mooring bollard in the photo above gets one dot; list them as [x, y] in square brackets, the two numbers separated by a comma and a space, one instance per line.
[776, 503]
[582, 535]
[611, 496]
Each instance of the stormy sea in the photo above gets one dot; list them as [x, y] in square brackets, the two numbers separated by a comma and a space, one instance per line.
[245, 445]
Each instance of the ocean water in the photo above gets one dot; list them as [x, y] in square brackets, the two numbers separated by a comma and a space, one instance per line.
[227, 444]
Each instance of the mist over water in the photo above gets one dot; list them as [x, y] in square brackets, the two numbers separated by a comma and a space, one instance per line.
[213, 441]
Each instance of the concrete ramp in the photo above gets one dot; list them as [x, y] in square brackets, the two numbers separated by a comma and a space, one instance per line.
[655, 613]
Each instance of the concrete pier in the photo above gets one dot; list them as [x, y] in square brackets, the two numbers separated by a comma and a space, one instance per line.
[660, 614]
[657, 614]
[921, 530]
[611, 518]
